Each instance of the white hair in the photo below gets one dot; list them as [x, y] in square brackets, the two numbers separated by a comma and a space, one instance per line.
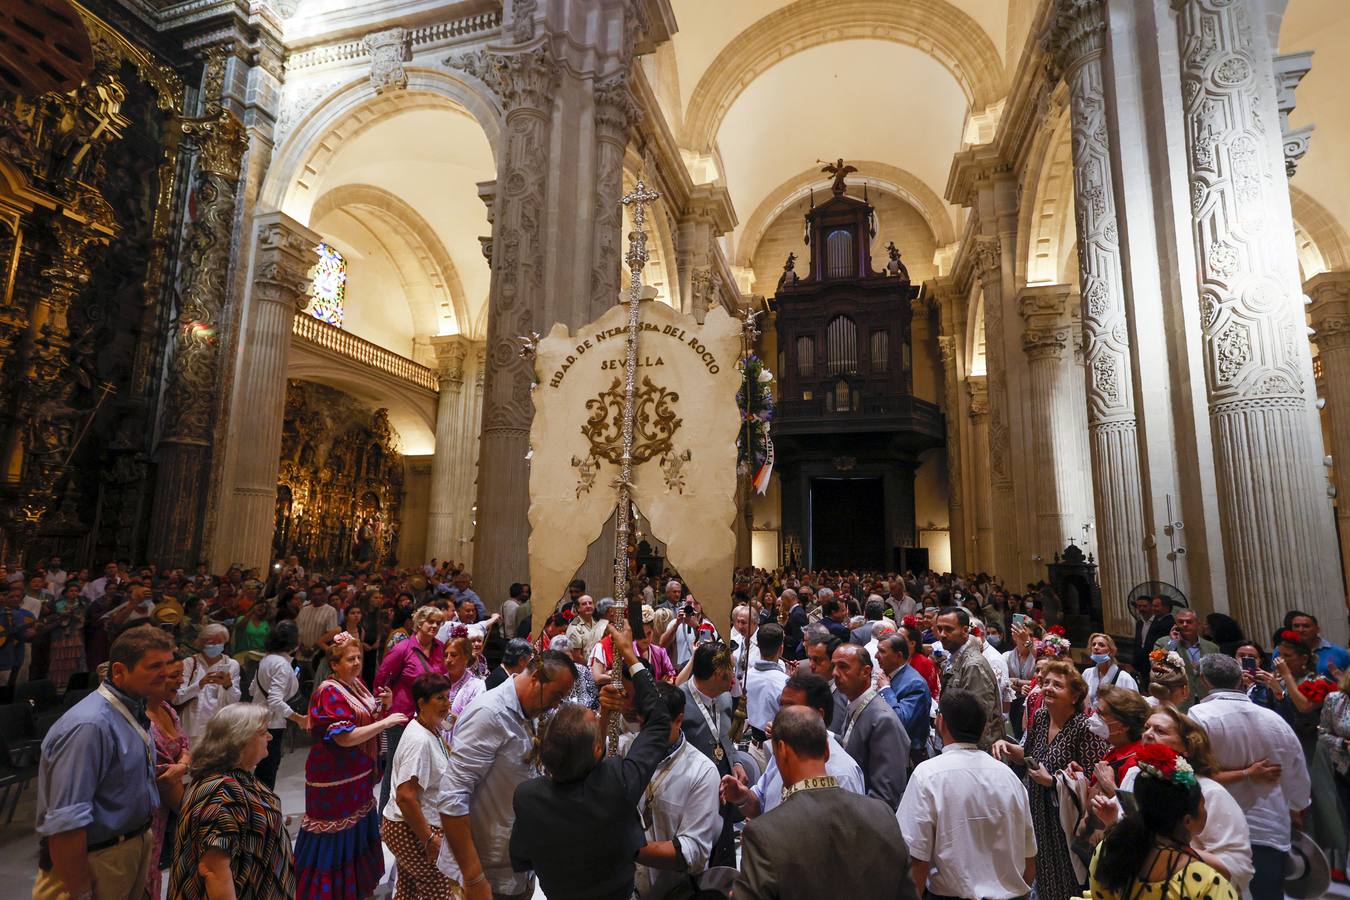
[213, 628]
[672, 583]
[824, 594]
[562, 643]
[883, 627]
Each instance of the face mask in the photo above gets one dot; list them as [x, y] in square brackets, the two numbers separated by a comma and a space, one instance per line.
[992, 640]
[1098, 727]
[60, 606]
[1100, 658]
[213, 650]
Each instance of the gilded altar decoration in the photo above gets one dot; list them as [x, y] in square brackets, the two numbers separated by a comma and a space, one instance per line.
[340, 484]
[683, 451]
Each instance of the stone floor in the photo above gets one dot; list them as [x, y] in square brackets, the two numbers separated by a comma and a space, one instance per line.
[18, 844]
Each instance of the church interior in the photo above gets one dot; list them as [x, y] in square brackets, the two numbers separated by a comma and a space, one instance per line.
[1037, 280]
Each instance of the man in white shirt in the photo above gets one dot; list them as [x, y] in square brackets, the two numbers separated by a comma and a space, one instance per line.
[585, 626]
[679, 811]
[765, 682]
[744, 647]
[56, 576]
[1243, 734]
[965, 816]
[313, 619]
[95, 589]
[802, 689]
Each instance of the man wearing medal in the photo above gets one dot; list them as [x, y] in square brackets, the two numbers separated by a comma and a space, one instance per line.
[97, 791]
[707, 728]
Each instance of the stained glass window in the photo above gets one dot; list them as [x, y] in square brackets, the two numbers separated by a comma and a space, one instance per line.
[330, 286]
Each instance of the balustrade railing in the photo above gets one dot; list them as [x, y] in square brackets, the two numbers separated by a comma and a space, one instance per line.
[360, 350]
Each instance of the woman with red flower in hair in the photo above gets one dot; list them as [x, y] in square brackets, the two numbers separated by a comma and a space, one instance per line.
[1148, 853]
[1300, 692]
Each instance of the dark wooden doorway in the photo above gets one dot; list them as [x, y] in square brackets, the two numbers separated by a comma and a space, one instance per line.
[848, 526]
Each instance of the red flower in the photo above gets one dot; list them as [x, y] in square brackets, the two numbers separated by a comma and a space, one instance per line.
[568, 614]
[1289, 636]
[1057, 629]
[1158, 756]
[910, 622]
[1316, 689]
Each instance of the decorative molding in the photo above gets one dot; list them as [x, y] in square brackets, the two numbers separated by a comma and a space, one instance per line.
[1290, 69]
[1076, 33]
[521, 80]
[451, 352]
[282, 266]
[481, 24]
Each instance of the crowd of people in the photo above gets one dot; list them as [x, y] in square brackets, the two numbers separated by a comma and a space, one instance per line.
[840, 735]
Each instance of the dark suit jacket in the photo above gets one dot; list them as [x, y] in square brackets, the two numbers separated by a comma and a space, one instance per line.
[855, 850]
[1160, 627]
[861, 635]
[836, 723]
[581, 838]
[878, 743]
[797, 619]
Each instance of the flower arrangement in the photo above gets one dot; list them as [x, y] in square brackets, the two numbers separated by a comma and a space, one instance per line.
[754, 449]
[460, 631]
[1057, 630]
[1316, 689]
[1164, 763]
[1288, 636]
[1168, 658]
[1054, 646]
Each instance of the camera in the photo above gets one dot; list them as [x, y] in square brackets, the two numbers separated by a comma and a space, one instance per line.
[688, 610]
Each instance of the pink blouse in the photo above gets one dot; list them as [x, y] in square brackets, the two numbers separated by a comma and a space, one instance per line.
[401, 666]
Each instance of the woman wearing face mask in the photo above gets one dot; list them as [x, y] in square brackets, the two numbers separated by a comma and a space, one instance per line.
[1104, 669]
[210, 681]
[1224, 841]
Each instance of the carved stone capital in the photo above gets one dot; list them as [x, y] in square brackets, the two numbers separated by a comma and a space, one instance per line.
[978, 388]
[389, 50]
[219, 139]
[1330, 309]
[1077, 32]
[480, 358]
[1050, 321]
[451, 352]
[616, 109]
[523, 81]
[285, 256]
[946, 349]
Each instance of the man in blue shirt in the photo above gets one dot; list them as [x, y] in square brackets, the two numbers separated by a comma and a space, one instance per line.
[460, 590]
[1328, 654]
[97, 791]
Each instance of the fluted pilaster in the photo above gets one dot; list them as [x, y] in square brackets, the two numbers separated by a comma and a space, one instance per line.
[1056, 415]
[1330, 293]
[616, 112]
[988, 252]
[956, 509]
[283, 258]
[1075, 41]
[1276, 524]
[451, 351]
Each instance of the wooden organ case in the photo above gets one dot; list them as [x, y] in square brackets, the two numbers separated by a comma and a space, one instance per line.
[848, 431]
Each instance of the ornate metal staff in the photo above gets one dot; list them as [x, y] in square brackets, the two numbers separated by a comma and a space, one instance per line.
[636, 258]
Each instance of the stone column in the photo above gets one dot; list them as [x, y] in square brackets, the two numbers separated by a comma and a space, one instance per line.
[1056, 415]
[526, 82]
[706, 216]
[451, 351]
[282, 260]
[1330, 293]
[616, 112]
[983, 512]
[956, 509]
[1273, 509]
[1076, 42]
[187, 423]
[989, 266]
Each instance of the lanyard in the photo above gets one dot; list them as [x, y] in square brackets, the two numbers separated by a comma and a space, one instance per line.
[116, 703]
[858, 711]
[711, 717]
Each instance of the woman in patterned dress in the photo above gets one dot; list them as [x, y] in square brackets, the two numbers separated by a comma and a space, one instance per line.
[338, 855]
[232, 833]
[172, 760]
[1058, 735]
[464, 684]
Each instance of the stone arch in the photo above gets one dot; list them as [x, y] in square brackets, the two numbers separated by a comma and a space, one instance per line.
[411, 410]
[1323, 245]
[935, 27]
[395, 213]
[350, 108]
[879, 176]
[1047, 221]
[660, 246]
[974, 336]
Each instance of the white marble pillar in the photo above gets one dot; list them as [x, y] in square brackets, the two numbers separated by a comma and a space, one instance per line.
[982, 512]
[1057, 415]
[279, 288]
[451, 351]
[1276, 521]
[1076, 42]
[951, 403]
[1330, 294]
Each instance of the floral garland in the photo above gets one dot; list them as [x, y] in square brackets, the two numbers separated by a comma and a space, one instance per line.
[1168, 658]
[753, 447]
[1055, 646]
[1165, 764]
